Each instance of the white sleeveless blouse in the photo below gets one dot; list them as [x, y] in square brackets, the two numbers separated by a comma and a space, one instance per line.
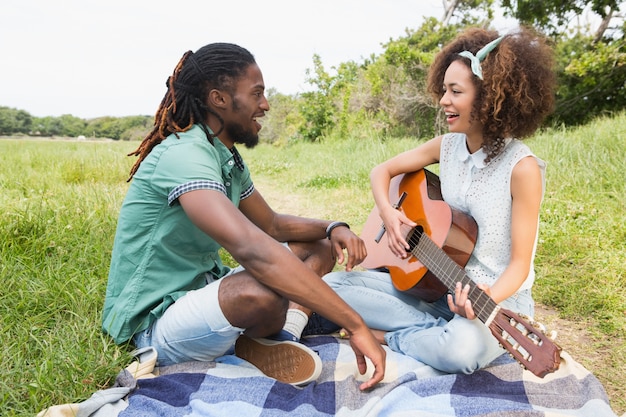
[484, 192]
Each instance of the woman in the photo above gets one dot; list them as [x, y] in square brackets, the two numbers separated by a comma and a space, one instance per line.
[494, 92]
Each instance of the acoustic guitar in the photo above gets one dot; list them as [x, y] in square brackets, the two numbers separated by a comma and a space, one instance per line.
[440, 246]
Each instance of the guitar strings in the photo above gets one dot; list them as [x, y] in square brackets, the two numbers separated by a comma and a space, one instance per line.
[449, 272]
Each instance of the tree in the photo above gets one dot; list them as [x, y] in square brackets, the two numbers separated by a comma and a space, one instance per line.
[317, 106]
[592, 59]
[398, 79]
[47, 126]
[470, 12]
[552, 16]
[119, 128]
[14, 121]
[280, 123]
[133, 127]
[72, 126]
[592, 79]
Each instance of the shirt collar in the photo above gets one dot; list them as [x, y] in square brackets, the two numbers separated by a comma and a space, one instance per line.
[476, 159]
[237, 157]
[235, 153]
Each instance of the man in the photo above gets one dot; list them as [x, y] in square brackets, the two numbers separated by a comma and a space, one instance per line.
[192, 195]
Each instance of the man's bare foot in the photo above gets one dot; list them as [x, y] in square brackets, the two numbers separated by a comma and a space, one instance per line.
[379, 335]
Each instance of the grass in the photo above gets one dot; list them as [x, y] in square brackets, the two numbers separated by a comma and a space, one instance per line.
[60, 201]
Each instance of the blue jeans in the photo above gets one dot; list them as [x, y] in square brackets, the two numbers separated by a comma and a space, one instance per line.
[428, 332]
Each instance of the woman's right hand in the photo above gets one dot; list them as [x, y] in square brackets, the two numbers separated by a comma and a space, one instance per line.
[397, 226]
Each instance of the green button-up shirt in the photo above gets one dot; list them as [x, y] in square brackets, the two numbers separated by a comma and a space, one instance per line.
[158, 253]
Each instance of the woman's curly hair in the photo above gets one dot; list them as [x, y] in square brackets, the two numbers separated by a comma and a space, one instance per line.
[216, 65]
[517, 91]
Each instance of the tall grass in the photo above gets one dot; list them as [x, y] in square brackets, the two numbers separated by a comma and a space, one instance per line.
[60, 201]
[59, 206]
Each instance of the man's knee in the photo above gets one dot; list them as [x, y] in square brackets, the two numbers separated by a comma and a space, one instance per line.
[247, 303]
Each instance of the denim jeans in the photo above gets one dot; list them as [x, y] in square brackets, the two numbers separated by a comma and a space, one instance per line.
[428, 332]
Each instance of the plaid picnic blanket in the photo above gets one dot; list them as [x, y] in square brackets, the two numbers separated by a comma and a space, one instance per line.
[231, 387]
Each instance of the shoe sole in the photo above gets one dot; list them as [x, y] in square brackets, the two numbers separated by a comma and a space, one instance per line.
[286, 361]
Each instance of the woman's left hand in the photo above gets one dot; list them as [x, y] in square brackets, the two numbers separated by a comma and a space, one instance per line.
[460, 304]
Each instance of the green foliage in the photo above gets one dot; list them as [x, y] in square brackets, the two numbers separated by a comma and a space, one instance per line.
[317, 107]
[47, 126]
[398, 80]
[416, 50]
[592, 66]
[553, 15]
[127, 128]
[66, 125]
[14, 121]
[472, 12]
[591, 79]
[280, 123]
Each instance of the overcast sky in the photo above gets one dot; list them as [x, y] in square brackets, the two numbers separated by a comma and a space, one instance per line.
[111, 58]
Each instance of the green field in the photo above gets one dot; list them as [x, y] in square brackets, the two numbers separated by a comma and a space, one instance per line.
[60, 201]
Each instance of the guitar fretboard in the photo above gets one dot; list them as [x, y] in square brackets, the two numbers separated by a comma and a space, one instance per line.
[449, 272]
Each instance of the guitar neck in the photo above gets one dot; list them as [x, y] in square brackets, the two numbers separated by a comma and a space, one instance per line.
[449, 273]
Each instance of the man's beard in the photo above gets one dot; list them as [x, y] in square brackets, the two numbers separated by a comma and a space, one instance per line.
[241, 135]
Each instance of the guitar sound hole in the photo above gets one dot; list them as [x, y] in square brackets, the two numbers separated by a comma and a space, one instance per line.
[413, 237]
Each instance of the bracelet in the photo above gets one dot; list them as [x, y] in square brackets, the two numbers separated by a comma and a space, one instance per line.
[331, 226]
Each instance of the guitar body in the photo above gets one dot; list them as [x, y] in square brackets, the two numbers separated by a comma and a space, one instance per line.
[452, 230]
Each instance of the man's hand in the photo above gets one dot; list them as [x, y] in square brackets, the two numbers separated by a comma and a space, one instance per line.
[365, 345]
[343, 238]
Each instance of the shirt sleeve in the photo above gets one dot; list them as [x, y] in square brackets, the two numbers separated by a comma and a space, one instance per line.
[186, 166]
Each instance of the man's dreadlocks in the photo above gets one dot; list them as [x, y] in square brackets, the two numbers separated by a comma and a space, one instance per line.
[214, 66]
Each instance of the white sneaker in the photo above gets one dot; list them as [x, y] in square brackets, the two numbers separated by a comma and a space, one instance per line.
[287, 361]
